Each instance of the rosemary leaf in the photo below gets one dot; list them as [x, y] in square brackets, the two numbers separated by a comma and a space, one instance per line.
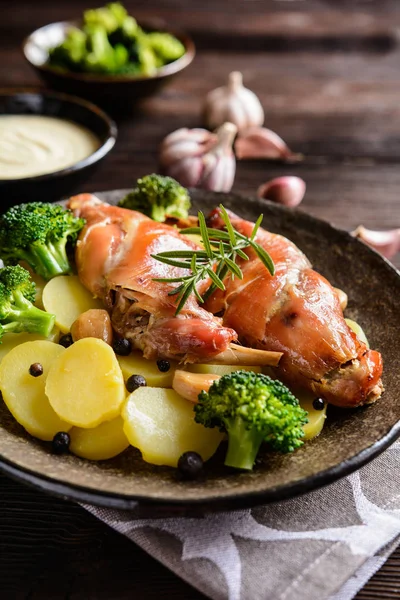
[204, 235]
[264, 257]
[256, 227]
[228, 225]
[183, 300]
[177, 290]
[234, 268]
[171, 261]
[215, 279]
[242, 254]
[215, 262]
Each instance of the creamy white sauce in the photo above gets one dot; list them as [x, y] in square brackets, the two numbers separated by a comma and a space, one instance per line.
[33, 145]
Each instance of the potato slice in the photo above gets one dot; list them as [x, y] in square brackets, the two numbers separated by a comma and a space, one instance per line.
[25, 395]
[161, 424]
[136, 364]
[219, 369]
[100, 443]
[85, 385]
[67, 298]
[316, 418]
[11, 340]
[358, 331]
[39, 281]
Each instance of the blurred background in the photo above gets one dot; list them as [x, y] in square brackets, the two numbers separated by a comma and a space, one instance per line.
[327, 73]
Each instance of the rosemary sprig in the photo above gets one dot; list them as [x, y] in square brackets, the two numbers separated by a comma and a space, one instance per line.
[215, 262]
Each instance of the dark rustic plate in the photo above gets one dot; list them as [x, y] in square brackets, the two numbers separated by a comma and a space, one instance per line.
[350, 438]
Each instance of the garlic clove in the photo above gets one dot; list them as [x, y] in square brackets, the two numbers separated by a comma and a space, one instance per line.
[185, 142]
[198, 158]
[260, 142]
[196, 135]
[386, 243]
[233, 103]
[288, 190]
[219, 163]
[188, 171]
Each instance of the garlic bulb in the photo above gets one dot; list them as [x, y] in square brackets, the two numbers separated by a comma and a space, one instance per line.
[386, 243]
[198, 158]
[288, 191]
[260, 142]
[233, 103]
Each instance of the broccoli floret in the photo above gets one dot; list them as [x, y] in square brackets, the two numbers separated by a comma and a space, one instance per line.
[252, 408]
[103, 57]
[17, 313]
[167, 47]
[109, 17]
[38, 234]
[158, 197]
[70, 54]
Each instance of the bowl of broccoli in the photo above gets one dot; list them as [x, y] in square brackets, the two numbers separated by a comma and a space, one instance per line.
[107, 56]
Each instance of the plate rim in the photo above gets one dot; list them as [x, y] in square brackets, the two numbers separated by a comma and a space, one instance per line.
[81, 494]
[237, 500]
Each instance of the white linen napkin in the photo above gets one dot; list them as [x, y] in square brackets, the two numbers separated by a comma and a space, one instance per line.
[323, 545]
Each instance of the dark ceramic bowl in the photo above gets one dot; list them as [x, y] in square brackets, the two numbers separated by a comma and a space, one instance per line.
[52, 186]
[116, 93]
[349, 439]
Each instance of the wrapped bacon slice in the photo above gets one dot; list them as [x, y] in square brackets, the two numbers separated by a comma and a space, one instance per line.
[297, 312]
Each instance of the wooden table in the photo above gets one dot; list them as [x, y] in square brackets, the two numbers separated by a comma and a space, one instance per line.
[328, 75]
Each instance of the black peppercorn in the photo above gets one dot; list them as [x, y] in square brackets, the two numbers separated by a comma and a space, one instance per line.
[318, 404]
[122, 347]
[36, 369]
[66, 340]
[61, 442]
[134, 382]
[190, 465]
[163, 366]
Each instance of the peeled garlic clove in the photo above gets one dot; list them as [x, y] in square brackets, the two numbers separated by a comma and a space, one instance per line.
[198, 158]
[386, 243]
[288, 191]
[233, 103]
[260, 142]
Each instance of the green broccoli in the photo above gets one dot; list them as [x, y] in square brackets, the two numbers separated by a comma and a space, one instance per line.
[109, 17]
[37, 233]
[102, 56]
[111, 42]
[70, 54]
[167, 47]
[252, 408]
[17, 313]
[158, 197]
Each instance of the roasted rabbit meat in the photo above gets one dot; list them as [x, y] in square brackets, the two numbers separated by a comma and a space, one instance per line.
[114, 262]
[297, 312]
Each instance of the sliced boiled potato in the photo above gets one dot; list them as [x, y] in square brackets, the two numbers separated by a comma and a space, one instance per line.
[85, 385]
[39, 281]
[25, 395]
[11, 340]
[136, 364]
[358, 331]
[316, 418]
[194, 237]
[67, 298]
[220, 369]
[161, 424]
[100, 443]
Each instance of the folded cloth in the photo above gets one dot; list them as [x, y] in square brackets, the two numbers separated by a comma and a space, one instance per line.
[323, 545]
